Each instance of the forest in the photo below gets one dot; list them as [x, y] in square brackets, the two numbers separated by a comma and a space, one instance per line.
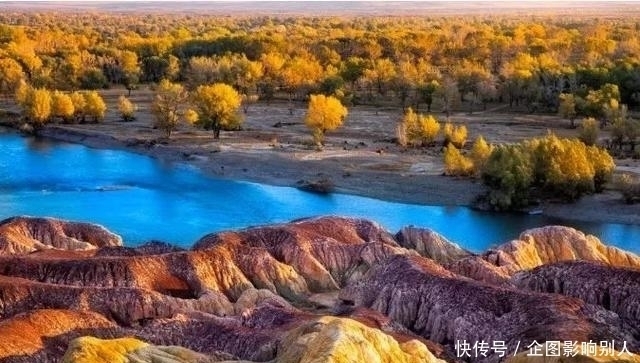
[583, 69]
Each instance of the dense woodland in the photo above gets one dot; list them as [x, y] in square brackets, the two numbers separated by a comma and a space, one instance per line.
[579, 68]
[407, 60]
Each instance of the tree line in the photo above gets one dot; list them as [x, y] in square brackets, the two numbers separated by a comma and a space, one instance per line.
[405, 61]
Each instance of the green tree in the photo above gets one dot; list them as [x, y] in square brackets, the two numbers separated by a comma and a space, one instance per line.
[168, 99]
[509, 175]
[325, 113]
[93, 79]
[217, 107]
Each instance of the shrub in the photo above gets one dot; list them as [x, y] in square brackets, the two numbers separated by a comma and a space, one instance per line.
[401, 134]
[456, 135]
[629, 186]
[509, 174]
[589, 131]
[126, 109]
[62, 106]
[94, 106]
[565, 168]
[419, 130]
[480, 152]
[456, 164]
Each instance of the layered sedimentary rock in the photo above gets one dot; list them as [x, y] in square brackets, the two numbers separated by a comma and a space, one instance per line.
[126, 306]
[614, 288]
[589, 352]
[21, 235]
[24, 337]
[325, 339]
[93, 350]
[327, 252]
[430, 244]
[266, 293]
[539, 246]
[446, 308]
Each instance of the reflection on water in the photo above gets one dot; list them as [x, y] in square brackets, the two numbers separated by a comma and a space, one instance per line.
[142, 199]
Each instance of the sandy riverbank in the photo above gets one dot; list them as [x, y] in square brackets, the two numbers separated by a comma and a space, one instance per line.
[363, 172]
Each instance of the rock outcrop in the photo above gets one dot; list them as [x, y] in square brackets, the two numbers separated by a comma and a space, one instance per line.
[324, 289]
[537, 247]
[445, 308]
[430, 244]
[22, 235]
[614, 288]
[325, 339]
[26, 336]
[93, 350]
[337, 340]
[579, 353]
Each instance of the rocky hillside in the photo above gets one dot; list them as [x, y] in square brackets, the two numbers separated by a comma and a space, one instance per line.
[325, 289]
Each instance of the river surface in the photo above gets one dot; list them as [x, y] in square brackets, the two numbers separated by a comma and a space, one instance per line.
[142, 199]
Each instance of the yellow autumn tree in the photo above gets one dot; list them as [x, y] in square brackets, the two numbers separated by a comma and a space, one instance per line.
[38, 106]
[126, 108]
[456, 135]
[79, 105]
[94, 106]
[22, 92]
[455, 163]
[11, 75]
[480, 152]
[425, 130]
[325, 113]
[217, 107]
[62, 106]
[168, 99]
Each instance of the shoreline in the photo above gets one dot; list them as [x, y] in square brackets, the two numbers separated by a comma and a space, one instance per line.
[288, 169]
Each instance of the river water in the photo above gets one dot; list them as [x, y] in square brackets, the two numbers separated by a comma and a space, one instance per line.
[142, 199]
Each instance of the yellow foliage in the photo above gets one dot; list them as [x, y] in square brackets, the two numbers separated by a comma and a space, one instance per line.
[62, 105]
[166, 103]
[11, 75]
[300, 72]
[38, 106]
[480, 152]
[94, 350]
[568, 166]
[126, 108]
[419, 129]
[217, 106]
[94, 105]
[22, 92]
[191, 116]
[325, 113]
[455, 163]
[456, 135]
